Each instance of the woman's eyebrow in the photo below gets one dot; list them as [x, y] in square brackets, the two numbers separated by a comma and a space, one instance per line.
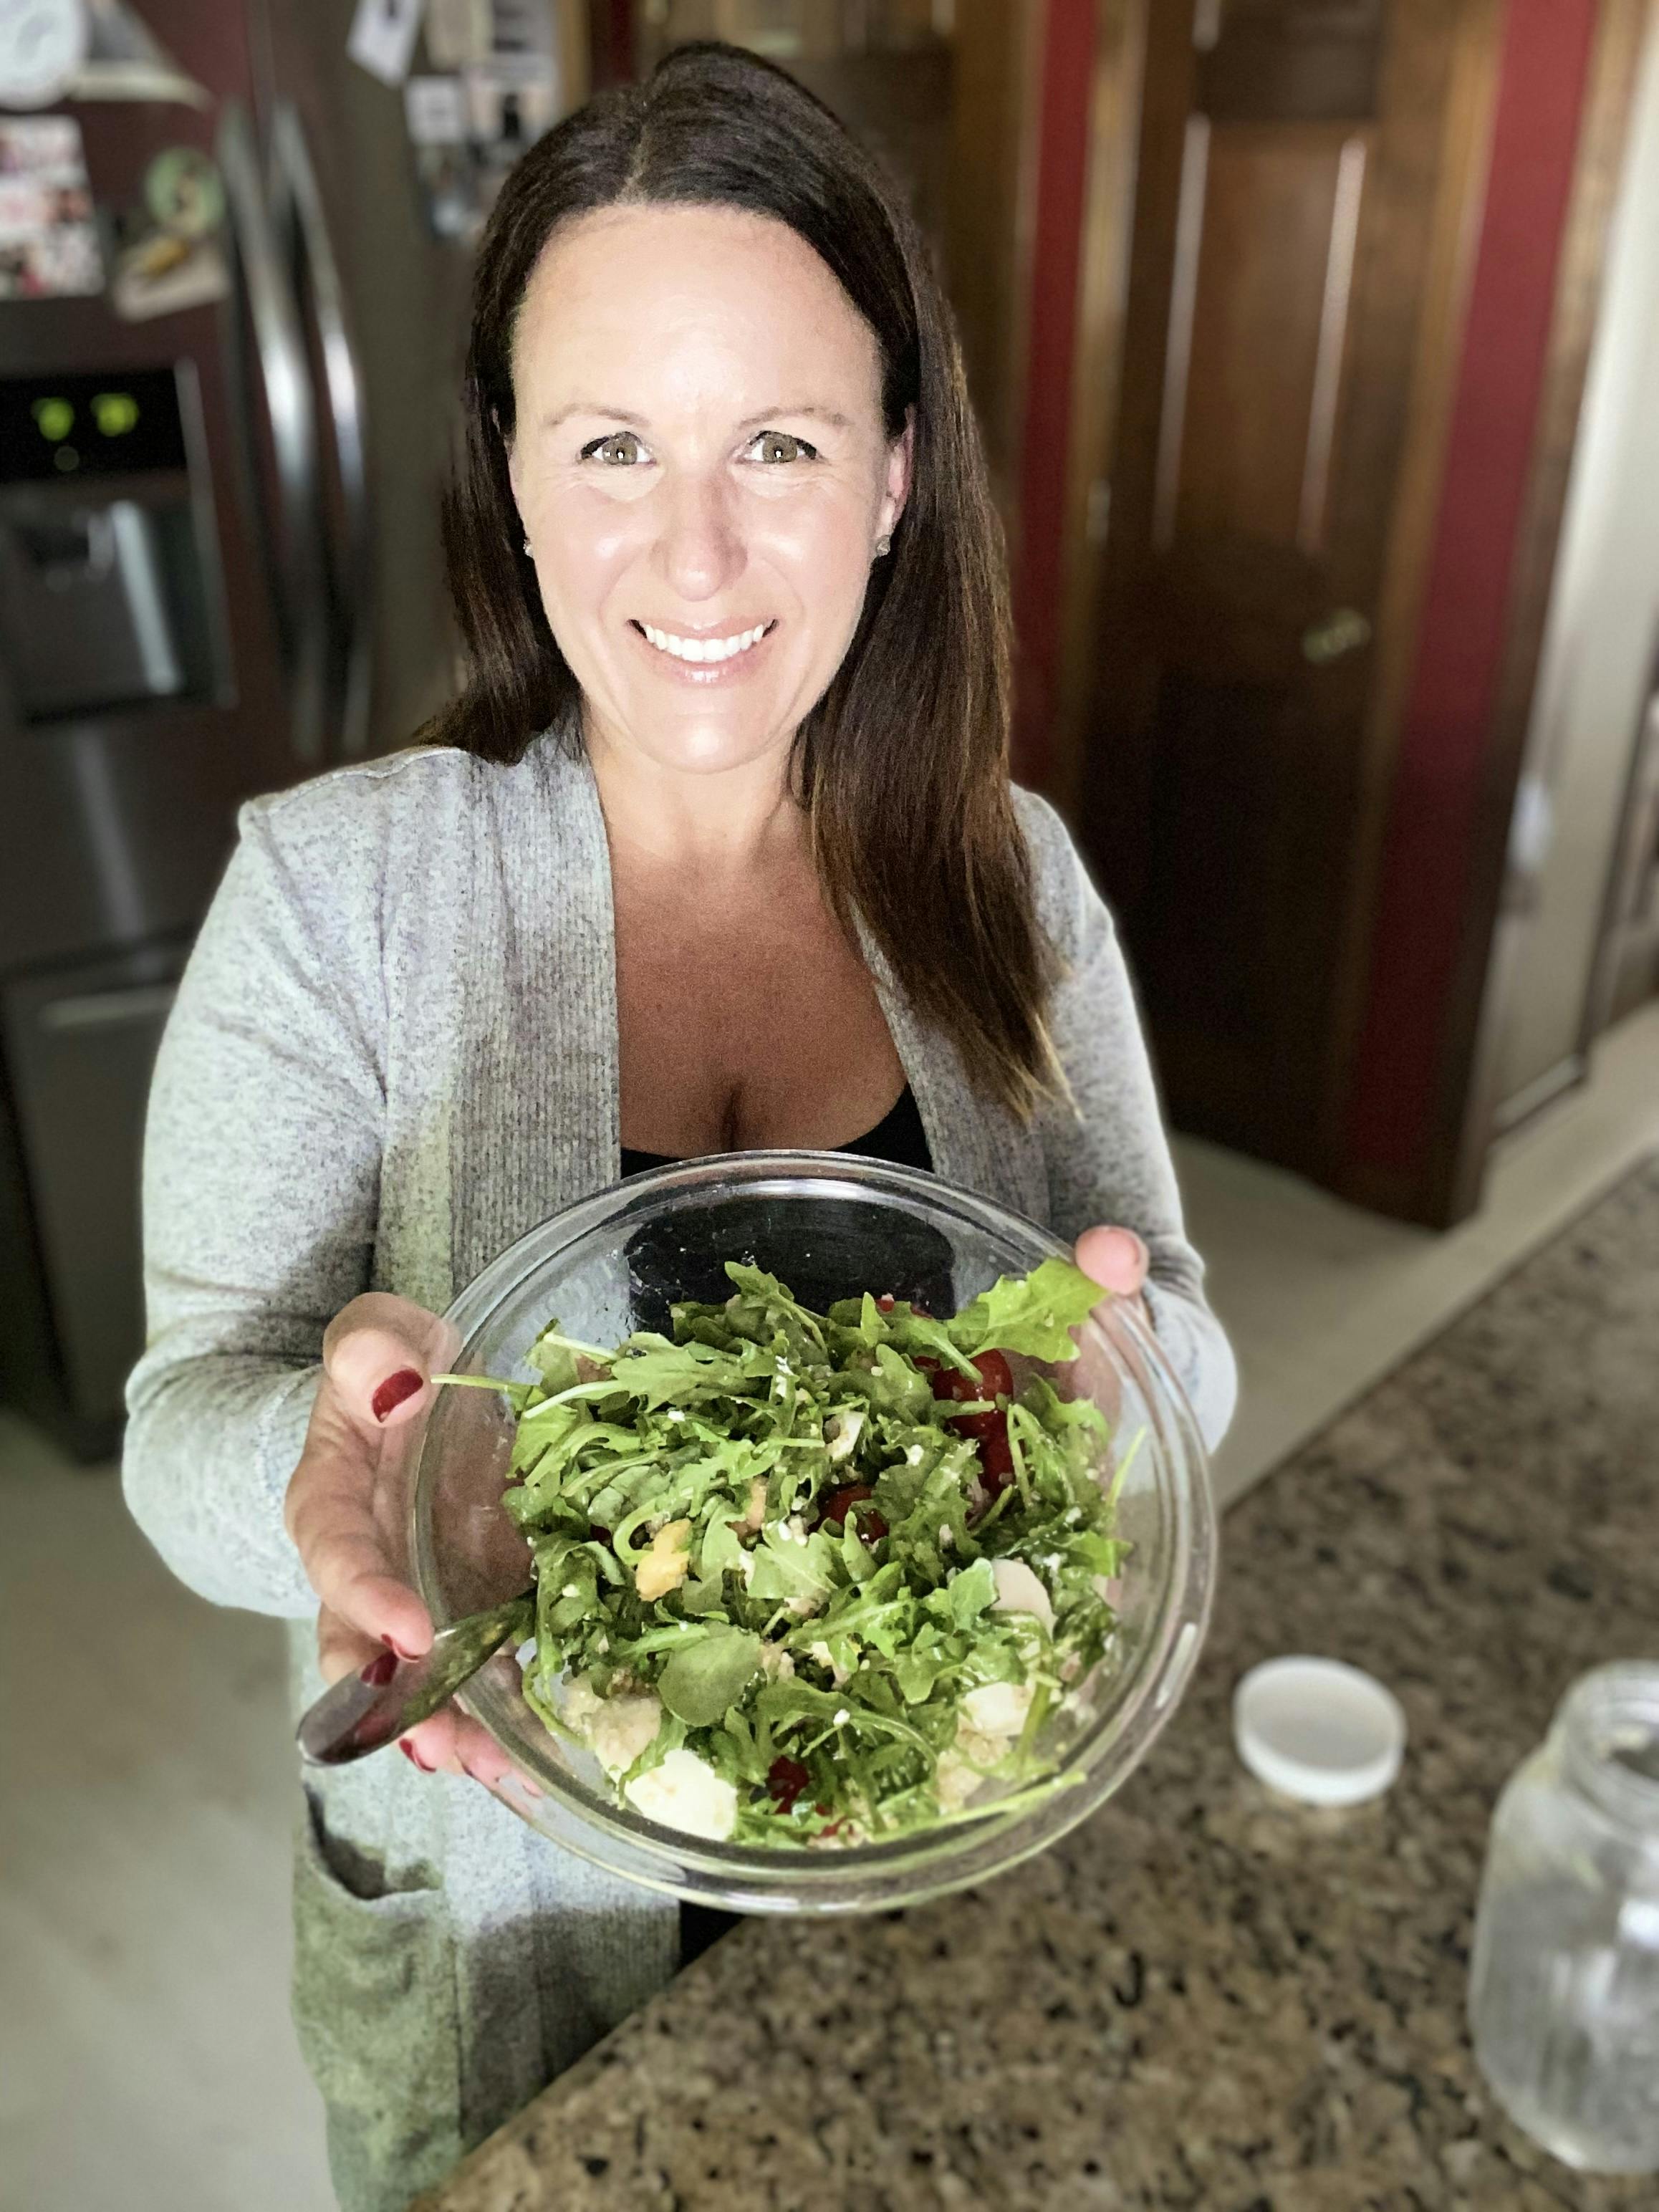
[592, 407]
[816, 414]
[638, 422]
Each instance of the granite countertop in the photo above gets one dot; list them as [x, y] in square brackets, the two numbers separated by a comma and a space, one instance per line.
[1205, 1996]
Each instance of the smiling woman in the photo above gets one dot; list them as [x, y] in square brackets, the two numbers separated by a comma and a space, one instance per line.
[716, 849]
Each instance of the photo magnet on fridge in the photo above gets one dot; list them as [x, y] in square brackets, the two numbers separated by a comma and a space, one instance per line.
[383, 35]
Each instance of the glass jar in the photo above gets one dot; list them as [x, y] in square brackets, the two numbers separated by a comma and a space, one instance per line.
[1563, 1999]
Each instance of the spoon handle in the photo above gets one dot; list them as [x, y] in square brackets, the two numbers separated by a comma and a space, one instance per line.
[360, 1713]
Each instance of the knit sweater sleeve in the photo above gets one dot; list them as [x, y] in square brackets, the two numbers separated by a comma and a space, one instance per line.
[1107, 1154]
[262, 1163]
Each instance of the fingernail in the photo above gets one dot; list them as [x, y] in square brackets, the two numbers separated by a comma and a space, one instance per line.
[414, 1756]
[393, 1392]
[379, 1670]
[400, 1651]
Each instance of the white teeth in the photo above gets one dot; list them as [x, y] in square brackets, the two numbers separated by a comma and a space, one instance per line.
[704, 648]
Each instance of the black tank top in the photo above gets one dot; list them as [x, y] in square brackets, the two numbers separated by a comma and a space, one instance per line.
[899, 1136]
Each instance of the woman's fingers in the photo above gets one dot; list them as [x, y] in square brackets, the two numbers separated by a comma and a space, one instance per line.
[380, 1353]
[337, 1515]
[447, 1742]
[345, 1503]
[1116, 1259]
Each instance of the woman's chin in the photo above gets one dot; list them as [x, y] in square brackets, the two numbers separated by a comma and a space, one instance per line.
[716, 746]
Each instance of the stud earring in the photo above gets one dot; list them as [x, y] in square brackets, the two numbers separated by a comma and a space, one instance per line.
[526, 548]
[884, 547]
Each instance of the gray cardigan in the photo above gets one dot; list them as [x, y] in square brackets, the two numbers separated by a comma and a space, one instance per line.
[394, 1051]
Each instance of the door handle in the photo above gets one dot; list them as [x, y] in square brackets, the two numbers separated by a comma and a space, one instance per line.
[1343, 632]
[285, 388]
[312, 257]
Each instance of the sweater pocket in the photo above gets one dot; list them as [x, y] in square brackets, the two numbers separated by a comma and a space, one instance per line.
[375, 2010]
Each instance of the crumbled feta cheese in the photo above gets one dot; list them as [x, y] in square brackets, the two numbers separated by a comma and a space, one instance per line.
[684, 1792]
[841, 1716]
[821, 1652]
[954, 1781]
[621, 1728]
[842, 1431]
[998, 1708]
[616, 1728]
[1019, 1591]
[913, 1455]
[524, 1654]
[755, 1517]
[776, 1663]
[947, 1535]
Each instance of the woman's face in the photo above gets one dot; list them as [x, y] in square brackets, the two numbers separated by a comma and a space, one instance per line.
[702, 473]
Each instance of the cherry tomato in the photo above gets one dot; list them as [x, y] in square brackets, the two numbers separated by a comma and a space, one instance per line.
[996, 1460]
[871, 1526]
[992, 1378]
[785, 1778]
[885, 1302]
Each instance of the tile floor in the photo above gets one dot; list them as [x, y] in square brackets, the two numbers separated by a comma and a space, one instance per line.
[146, 2059]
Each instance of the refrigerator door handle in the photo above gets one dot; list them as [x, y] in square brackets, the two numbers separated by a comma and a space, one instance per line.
[284, 387]
[312, 257]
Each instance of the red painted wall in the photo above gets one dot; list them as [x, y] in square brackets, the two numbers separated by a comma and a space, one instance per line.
[1390, 1122]
[1062, 171]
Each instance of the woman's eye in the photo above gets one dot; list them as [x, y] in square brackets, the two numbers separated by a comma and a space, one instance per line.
[620, 450]
[778, 446]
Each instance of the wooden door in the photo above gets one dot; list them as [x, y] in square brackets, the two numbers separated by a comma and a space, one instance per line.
[1289, 214]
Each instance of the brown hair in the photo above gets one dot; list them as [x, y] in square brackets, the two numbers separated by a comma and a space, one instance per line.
[902, 764]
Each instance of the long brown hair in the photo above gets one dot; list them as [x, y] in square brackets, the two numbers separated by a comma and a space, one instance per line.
[902, 764]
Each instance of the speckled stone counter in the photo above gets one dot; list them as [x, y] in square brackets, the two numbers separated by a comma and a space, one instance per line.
[1205, 1998]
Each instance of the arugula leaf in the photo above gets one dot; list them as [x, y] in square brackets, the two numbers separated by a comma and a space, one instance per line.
[700, 1682]
[787, 1567]
[1032, 1314]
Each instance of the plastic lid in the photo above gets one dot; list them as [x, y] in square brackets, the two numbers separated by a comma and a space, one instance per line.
[1319, 1730]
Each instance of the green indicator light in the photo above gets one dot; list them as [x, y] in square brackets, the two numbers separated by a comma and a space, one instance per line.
[66, 458]
[114, 412]
[53, 418]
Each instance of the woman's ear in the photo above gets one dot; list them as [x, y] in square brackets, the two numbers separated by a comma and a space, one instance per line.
[901, 456]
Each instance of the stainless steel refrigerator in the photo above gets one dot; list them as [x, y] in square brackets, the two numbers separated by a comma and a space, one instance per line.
[220, 571]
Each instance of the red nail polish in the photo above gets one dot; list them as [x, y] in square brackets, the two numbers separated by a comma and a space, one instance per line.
[379, 1670]
[414, 1756]
[393, 1392]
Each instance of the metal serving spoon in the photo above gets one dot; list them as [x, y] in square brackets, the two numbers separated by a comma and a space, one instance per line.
[362, 1713]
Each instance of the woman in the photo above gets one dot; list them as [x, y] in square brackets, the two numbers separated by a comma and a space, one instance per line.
[717, 849]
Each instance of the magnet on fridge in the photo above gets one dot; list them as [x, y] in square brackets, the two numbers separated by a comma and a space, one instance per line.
[459, 32]
[383, 35]
[435, 109]
[48, 237]
[42, 44]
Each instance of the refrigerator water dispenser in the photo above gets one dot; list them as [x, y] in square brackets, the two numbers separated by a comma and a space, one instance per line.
[104, 558]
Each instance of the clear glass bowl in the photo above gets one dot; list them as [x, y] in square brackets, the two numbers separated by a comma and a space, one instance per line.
[830, 1225]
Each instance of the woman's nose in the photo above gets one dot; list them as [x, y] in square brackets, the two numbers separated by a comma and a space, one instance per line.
[700, 551]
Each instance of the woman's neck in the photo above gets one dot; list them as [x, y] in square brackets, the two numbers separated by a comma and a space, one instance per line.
[729, 824]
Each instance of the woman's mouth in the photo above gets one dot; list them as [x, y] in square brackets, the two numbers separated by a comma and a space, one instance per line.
[703, 651]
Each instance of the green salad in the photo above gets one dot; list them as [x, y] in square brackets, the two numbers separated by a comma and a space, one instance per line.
[811, 1578]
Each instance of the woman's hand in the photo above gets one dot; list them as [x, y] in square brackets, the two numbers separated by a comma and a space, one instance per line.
[1117, 1260]
[348, 1510]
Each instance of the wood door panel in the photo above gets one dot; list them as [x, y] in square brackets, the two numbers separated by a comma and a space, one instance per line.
[1287, 196]
[1247, 445]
